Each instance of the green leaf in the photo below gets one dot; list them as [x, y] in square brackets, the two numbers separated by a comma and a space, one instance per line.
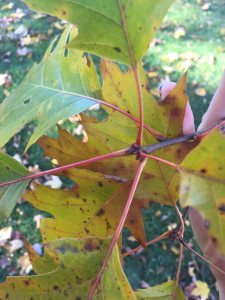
[55, 89]
[203, 185]
[80, 260]
[161, 292]
[116, 29]
[10, 169]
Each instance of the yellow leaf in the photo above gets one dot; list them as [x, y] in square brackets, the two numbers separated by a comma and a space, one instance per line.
[153, 74]
[222, 31]
[201, 290]
[179, 32]
[170, 57]
[200, 91]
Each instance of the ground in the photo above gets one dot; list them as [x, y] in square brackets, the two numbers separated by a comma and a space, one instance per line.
[192, 35]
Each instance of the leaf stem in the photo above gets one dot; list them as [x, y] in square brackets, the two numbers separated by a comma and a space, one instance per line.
[140, 106]
[136, 75]
[167, 162]
[118, 229]
[179, 232]
[182, 228]
[158, 238]
[178, 272]
[118, 153]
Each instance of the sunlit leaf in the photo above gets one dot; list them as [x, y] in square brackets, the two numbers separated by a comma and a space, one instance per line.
[110, 28]
[203, 185]
[54, 89]
[80, 260]
[162, 292]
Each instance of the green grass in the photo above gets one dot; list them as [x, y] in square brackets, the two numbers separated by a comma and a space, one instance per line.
[203, 39]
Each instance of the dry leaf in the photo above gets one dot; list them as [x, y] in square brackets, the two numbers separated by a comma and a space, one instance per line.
[201, 290]
[170, 57]
[5, 234]
[200, 92]
[179, 32]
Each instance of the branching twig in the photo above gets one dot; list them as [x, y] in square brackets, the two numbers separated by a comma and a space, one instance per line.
[118, 229]
[200, 256]
[142, 151]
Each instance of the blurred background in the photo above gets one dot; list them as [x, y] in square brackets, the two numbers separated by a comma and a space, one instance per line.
[191, 36]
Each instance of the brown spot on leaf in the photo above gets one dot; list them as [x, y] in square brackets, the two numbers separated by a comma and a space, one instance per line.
[100, 184]
[27, 282]
[206, 224]
[26, 101]
[214, 240]
[117, 49]
[100, 212]
[89, 245]
[203, 171]
[108, 226]
[78, 280]
[176, 112]
[64, 13]
[55, 287]
[222, 209]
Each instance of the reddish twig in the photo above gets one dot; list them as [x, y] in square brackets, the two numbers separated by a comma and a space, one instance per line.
[178, 272]
[66, 167]
[118, 229]
[157, 239]
[140, 106]
[179, 233]
[167, 162]
[136, 75]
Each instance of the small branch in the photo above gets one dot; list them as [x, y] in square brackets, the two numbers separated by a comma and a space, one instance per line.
[130, 151]
[184, 215]
[200, 256]
[157, 239]
[168, 143]
[118, 230]
[66, 167]
[182, 139]
[182, 228]
[140, 106]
